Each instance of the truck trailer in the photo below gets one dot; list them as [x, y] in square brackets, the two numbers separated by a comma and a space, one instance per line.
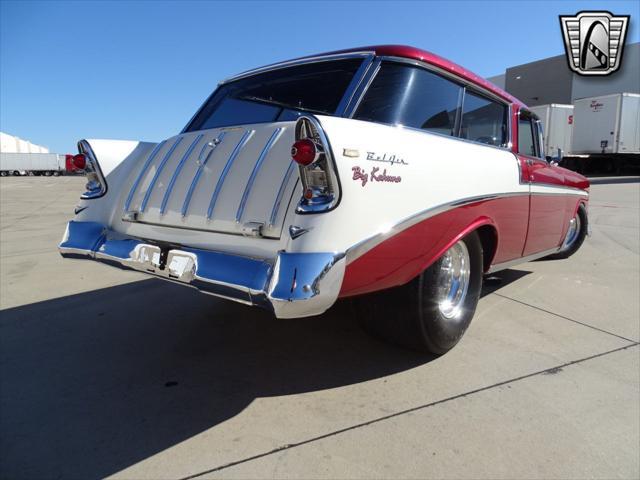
[32, 164]
[557, 127]
[606, 133]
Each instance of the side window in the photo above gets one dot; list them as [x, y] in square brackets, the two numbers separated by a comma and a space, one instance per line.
[483, 120]
[413, 97]
[526, 136]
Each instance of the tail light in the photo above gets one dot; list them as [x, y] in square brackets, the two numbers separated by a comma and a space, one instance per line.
[96, 184]
[304, 152]
[79, 161]
[311, 150]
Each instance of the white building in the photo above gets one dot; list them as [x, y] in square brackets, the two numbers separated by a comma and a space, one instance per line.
[11, 144]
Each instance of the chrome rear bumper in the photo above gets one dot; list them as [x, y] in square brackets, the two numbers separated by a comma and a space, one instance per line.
[291, 285]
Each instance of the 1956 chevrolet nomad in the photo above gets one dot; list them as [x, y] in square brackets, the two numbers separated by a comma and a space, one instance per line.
[379, 169]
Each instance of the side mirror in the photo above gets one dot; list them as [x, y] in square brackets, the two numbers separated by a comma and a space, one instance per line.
[557, 158]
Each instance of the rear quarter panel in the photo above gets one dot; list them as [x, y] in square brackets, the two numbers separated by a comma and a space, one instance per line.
[424, 173]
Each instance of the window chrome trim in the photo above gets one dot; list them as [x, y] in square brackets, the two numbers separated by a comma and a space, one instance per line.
[464, 84]
[295, 63]
[352, 88]
[363, 86]
[367, 57]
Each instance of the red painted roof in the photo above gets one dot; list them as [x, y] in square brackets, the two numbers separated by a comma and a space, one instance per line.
[413, 53]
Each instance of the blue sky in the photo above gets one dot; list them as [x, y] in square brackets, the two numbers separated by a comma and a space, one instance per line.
[139, 70]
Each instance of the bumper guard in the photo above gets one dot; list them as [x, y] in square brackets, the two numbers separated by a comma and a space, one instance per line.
[291, 285]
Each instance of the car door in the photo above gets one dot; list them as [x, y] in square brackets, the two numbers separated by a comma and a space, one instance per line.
[547, 205]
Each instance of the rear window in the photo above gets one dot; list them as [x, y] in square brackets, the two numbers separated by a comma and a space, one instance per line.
[412, 97]
[278, 95]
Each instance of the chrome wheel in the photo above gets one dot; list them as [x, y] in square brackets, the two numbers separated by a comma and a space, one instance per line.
[453, 280]
[572, 234]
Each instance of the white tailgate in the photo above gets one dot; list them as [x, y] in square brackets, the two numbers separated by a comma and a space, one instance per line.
[216, 180]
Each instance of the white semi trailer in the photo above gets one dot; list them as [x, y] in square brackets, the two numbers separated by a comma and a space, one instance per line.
[557, 126]
[606, 133]
[32, 164]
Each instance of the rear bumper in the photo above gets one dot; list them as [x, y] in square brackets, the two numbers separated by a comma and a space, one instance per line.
[291, 285]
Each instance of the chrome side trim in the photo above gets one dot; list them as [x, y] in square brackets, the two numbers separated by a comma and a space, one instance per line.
[275, 136]
[367, 244]
[570, 190]
[159, 169]
[516, 261]
[278, 200]
[176, 173]
[214, 198]
[145, 167]
[212, 145]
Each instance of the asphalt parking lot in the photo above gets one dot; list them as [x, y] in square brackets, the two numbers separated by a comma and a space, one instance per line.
[110, 373]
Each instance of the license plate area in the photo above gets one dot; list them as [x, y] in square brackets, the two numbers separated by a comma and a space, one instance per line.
[169, 263]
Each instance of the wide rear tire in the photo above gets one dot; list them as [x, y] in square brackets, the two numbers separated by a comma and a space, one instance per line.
[433, 311]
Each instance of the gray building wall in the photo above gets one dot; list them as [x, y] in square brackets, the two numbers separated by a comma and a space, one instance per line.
[542, 82]
[626, 79]
[551, 81]
[498, 80]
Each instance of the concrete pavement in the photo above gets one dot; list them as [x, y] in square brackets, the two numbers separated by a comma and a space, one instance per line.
[109, 373]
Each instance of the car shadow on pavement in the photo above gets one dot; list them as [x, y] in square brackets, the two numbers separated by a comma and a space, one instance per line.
[95, 382]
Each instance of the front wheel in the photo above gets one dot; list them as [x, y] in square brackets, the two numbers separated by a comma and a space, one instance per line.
[576, 233]
[432, 312]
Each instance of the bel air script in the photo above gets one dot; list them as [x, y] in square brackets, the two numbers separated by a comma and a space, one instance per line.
[392, 158]
[259, 198]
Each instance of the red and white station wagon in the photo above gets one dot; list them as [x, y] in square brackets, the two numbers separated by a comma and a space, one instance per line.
[380, 169]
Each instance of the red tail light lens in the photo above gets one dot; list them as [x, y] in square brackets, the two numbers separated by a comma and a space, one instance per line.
[79, 161]
[304, 152]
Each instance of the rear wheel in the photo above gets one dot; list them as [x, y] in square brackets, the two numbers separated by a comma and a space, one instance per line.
[432, 312]
[3, 174]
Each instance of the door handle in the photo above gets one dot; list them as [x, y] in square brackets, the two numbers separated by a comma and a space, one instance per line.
[529, 162]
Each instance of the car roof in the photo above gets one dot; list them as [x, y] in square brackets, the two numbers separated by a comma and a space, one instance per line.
[408, 52]
[413, 53]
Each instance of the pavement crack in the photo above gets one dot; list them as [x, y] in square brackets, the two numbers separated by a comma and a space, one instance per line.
[546, 371]
[566, 318]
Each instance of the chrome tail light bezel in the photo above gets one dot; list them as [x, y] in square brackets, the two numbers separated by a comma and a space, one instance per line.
[325, 196]
[96, 184]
